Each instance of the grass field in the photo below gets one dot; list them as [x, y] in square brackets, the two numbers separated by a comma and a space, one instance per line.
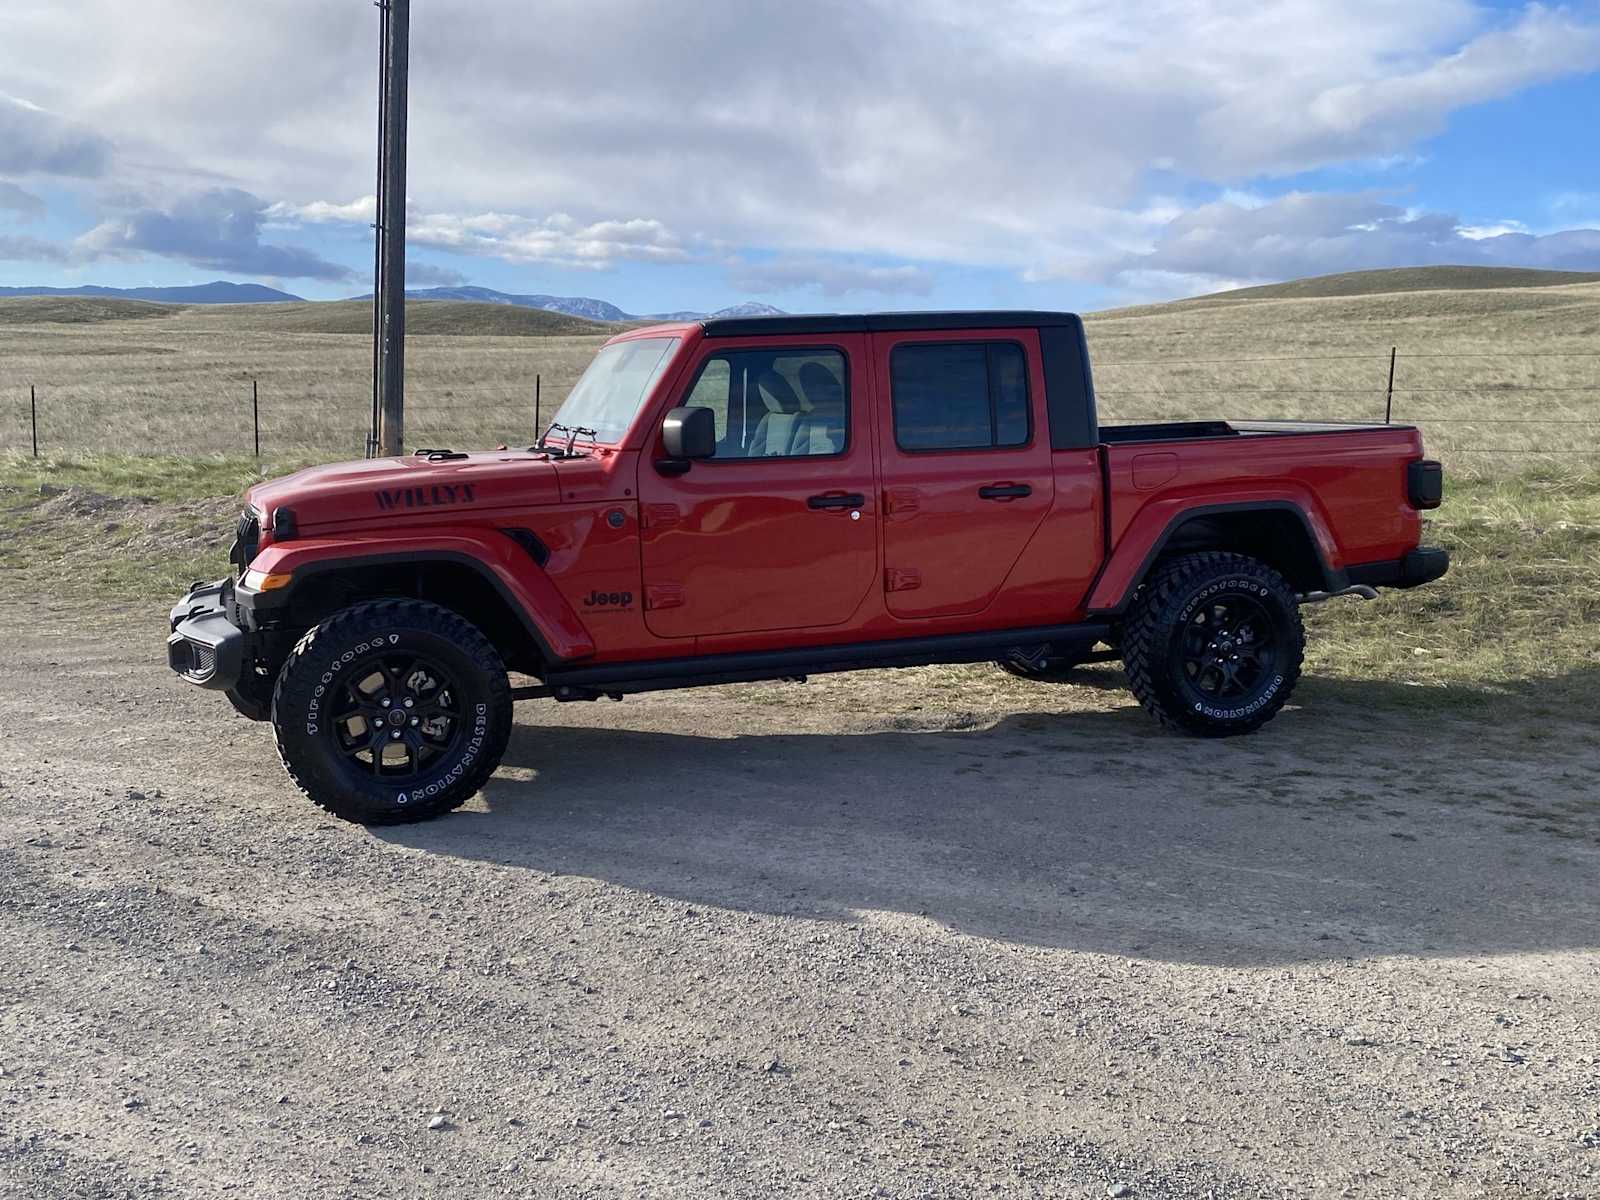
[1500, 379]
[145, 417]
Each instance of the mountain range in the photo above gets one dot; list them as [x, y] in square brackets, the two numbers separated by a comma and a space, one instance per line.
[219, 291]
[223, 292]
[579, 306]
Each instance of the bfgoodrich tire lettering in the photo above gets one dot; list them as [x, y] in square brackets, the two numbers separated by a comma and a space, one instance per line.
[1213, 644]
[424, 666]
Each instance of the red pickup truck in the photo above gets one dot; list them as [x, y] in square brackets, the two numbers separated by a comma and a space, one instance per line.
[771, 498]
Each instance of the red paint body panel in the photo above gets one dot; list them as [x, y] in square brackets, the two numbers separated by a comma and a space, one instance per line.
[1350, 486]
[729, 555]
[958, 548]
[732, 544]
[521, 580]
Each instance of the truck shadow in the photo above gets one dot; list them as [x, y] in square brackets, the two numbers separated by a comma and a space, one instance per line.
[1338, 832]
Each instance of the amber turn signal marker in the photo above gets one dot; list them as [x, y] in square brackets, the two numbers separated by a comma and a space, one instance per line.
[260, 582]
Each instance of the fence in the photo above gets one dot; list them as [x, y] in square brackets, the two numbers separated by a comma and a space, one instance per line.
[1526, 403]
[1483, 404]
[234, 424]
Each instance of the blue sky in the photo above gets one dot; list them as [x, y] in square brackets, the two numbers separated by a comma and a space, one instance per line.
[821, 155]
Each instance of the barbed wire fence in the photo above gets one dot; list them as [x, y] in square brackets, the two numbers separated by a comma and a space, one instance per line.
[1389, 397]
[253, 418]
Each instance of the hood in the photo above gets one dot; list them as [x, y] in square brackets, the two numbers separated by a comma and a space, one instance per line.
[382, 489]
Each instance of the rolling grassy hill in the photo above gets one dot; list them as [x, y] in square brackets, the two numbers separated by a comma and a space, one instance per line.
[339, 317]
[433, 318]
[79, 310]
[1405, 279]
[1498, 378]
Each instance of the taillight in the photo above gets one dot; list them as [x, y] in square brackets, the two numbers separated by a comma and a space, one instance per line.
[1425, 483]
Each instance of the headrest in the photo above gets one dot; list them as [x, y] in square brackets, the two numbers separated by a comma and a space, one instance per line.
[821, 386]
[776, 393]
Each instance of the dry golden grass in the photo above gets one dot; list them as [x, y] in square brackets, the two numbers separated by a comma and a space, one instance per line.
[149, 379]
[1498, 379]
[183, 384]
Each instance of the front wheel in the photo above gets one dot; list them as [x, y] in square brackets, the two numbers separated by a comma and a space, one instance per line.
[1213, 644]
[392, 711]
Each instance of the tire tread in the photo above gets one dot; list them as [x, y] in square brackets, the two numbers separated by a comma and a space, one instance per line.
[1166, 587]
[414, 614]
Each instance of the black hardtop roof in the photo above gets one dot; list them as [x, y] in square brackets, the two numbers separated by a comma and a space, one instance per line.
[895, 322]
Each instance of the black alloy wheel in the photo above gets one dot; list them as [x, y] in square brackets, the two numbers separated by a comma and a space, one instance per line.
[1228, 651]
[397, 715]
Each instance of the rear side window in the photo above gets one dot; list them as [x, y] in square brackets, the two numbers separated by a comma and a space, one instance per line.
[959, 396]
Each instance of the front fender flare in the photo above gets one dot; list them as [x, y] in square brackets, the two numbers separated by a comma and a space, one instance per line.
[545, 614]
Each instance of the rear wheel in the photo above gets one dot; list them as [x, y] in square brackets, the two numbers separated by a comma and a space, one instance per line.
[1213, 644]
[392, 711]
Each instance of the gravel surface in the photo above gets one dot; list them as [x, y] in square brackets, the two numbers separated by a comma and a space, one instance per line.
[920, 934]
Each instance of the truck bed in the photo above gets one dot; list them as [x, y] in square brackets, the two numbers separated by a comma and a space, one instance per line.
[1182, 431]
[1345, 482]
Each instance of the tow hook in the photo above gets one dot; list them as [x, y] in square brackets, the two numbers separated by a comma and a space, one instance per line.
[1355, 589]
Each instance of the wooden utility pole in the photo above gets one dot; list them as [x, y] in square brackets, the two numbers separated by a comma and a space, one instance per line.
[389, 288]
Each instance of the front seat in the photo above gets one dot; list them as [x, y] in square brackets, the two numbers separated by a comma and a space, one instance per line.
[776, 429]
[821, 427]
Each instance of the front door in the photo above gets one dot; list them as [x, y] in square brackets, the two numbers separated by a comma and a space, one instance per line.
[779, 529]
[967, 476]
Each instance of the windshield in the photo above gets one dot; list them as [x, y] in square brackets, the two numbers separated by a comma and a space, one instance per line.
[608, 397]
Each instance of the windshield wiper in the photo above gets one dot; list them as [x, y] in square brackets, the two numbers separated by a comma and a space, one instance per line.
[572, 432]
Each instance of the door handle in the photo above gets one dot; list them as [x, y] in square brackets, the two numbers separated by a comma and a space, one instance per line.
[1004, 491]
[837, 500]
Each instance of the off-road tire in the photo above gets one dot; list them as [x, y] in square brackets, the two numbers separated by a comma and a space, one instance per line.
[1182, 593]
[327, 659]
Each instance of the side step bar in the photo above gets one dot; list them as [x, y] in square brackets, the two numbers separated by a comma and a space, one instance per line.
[587, 683]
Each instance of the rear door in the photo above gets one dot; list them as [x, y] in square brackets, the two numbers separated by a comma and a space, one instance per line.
[779, 530]
[966, 470]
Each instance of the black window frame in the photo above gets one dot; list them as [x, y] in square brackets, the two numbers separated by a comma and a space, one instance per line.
[849, 414]
[994, 411]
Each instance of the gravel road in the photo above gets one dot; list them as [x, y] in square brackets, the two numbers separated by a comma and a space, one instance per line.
[921, 934]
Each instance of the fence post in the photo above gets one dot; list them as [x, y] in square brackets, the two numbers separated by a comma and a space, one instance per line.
[536, 408]
[255, 412]
[1388, 401]
[33, 418]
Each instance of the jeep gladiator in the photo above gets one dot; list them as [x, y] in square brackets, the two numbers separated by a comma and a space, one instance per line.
[770, 498]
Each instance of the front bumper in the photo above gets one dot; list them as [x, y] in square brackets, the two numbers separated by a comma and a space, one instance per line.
[207, 646]
[1417, 567]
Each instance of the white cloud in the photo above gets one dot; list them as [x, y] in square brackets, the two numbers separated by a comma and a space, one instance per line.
[1017, 134]
[557, 240]
[15, 200]
[1225, 244]
[1476, 233]
[34, 141]
[219, 230]
[363, 211]
[829, 278]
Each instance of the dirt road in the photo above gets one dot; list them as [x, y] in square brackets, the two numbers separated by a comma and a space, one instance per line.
[916, 934]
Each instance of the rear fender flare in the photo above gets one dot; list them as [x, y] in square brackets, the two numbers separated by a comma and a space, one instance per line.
[1142, 545]
[544, 613]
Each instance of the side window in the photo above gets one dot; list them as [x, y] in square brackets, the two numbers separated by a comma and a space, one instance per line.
[775, 403]
[712, 390]
[959, 396]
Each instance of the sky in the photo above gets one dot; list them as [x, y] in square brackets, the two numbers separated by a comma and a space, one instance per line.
[819, 155]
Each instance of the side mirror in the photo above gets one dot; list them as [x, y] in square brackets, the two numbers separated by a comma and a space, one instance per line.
[690, 433]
